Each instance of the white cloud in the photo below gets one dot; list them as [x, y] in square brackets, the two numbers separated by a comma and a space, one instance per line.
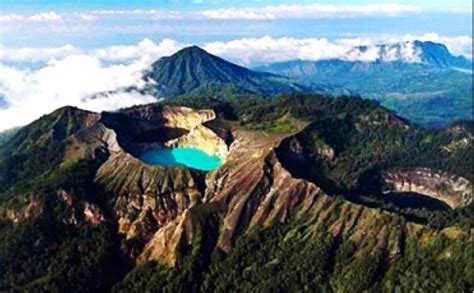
[125, 12]
[40, 17]
[311, 11]
[73, 80]
[277, 12]
[460, 45]
[37, 54]
[238, 13]
[457, 45]
[251, 51]
[47, 16]
[86, 16]
[11, 17]
[72, 75]
[145, 49]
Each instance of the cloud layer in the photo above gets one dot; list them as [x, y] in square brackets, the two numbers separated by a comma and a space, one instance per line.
[73, 80]
[39, 17]
[71, 75]
[250, 51]
[312, 11]
[253, 51]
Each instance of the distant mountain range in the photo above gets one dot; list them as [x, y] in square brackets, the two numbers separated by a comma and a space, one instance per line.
[431, 53]
[421, 81]
[428, 84]
[194, 72]
[438, 55]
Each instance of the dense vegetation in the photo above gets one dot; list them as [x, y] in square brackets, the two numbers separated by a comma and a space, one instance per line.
[294, 258]
[194, 72]
[366, 139]
[51, 252]
[426, 94]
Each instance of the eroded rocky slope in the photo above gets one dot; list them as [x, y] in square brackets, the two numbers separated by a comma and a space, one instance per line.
[172, 215]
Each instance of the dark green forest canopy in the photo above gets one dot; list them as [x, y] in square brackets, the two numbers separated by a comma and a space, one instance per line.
[49, 254]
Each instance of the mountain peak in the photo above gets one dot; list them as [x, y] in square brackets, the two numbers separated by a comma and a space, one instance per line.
[193, 71]
[430, 45]
[192, 50]
[438, 55]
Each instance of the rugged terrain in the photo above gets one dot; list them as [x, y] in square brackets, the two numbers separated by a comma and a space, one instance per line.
[433, 89]
[194, 72]
[310, 196]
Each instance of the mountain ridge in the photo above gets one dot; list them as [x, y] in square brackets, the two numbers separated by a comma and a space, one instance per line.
[193, 71]
[430, 91]
[438, 54]
[296, 199]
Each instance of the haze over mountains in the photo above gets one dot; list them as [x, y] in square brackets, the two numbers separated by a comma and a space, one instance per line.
[421, 81]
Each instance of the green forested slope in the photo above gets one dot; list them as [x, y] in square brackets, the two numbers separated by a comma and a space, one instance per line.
[349, 240]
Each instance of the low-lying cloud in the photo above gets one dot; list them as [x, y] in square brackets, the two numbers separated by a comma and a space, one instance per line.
[71, 75]
[145, 50]
[255, 51]
[74, 80]
[251, 51]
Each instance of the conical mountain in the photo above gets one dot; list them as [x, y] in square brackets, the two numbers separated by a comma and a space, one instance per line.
[192, 71]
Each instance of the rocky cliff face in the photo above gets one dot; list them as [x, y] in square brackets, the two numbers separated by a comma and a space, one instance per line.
[146, 198]
[202, 138]
[454, 191]
[253, 189]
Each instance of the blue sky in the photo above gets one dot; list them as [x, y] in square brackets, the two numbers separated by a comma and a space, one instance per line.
[84, 5]
[28, 23]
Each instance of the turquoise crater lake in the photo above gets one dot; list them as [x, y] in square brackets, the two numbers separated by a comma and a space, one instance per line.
[189, 157]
